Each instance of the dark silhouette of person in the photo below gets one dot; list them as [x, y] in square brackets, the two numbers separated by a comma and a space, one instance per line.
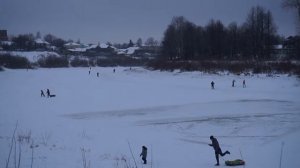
[144, 154]
[114, 70]
[244, 83]
[97, 74]
[42, 93]
[48, 93]
[218, 150]
[233, 81]
[212, 85]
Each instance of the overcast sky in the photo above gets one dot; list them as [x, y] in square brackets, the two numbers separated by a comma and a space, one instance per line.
[94, 21]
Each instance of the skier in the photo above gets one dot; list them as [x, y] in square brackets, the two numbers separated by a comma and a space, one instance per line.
[212, 85]
[218, 150]
[244, 83]
[42, 93]
[233, 82]
[114, 70]
[48, 93]
[97, 74]
[144, 154]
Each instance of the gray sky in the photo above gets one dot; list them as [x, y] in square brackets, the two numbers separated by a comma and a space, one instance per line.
[94, 21]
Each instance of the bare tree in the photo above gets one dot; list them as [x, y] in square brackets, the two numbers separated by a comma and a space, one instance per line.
[139, 42]
[38, 35]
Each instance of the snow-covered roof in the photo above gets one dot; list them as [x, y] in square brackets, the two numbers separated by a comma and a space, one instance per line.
[40, 41]
[72, 44]
[128, 51]
[102, 45]
[131, 50]
[92, 46]
[83, 49]
[6, 42]
[78, 49]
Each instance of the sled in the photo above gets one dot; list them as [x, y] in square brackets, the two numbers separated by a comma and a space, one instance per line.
[236, 162]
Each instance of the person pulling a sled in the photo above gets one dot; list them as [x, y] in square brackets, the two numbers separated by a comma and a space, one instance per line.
[48, 93]
[218, 150]
[144, 154]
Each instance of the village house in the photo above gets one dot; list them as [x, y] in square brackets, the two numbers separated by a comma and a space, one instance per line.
[3, 35]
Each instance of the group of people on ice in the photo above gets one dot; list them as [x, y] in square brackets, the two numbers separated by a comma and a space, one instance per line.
[214, 144]
[48, 94]
[114, 70]
[233, 84]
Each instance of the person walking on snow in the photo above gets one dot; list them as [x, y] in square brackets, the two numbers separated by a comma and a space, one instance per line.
[218, 150]
[212, 85]
[233, 83]
[42, 93]
[244, 83]
[48, 93]
[144, 154]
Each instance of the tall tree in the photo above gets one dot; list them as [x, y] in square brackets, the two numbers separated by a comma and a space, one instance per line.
[24, 42]
[38, 35]
[130, 44]
[139, 42]
[232, 40]
[216, 34]
[151, 42]
[169, 46]
[261, 29]
[49, 38]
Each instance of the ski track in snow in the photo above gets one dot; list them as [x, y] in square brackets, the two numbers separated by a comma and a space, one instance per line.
[226, 118]
[148, 110]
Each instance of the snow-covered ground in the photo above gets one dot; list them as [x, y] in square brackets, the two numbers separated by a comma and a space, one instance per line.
[171, 113]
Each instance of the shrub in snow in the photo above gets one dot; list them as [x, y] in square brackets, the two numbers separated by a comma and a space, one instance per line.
[53, 61]
[14, 62]
[76, 62]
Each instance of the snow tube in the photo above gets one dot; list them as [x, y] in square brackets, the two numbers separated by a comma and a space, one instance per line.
[236, 162]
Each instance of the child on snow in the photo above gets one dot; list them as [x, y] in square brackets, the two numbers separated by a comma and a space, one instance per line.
[144, 154]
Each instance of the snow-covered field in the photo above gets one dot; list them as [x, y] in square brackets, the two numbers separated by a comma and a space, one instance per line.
[171, 113]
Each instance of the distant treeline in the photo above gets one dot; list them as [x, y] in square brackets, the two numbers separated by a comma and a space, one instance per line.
[255, 39]
[54, 61]
[235, 67]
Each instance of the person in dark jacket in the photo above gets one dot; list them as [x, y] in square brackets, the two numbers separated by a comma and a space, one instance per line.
[218, 150]
[48, 93]
[42, 93]
[144, 154]
[212, 85]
